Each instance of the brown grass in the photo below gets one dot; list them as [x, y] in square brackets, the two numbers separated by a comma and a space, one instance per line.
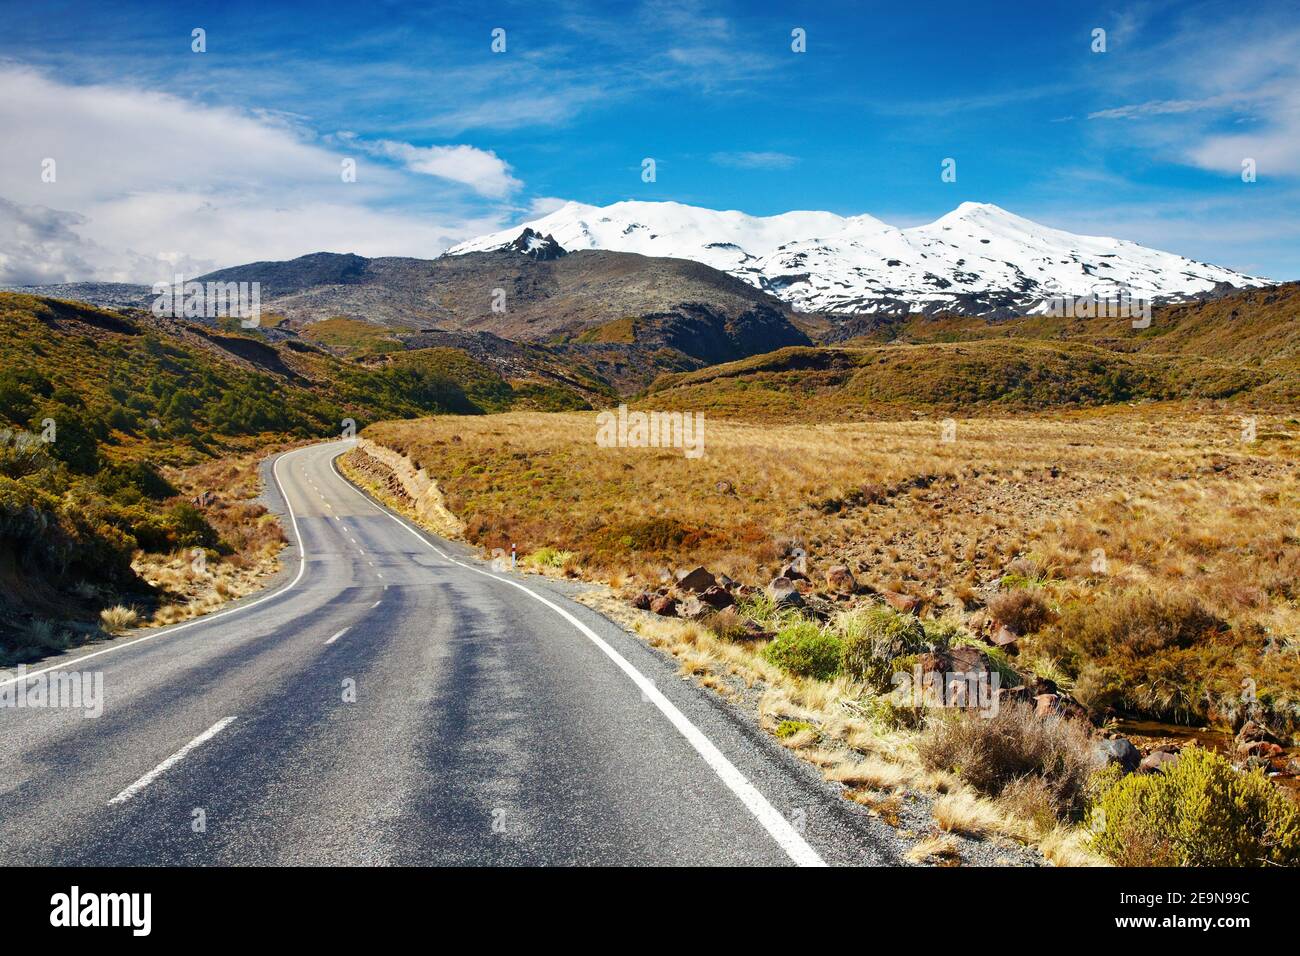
[1006, 750]
[1168, 496]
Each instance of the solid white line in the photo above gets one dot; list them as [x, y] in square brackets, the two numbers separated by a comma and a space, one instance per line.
[777, 826]
[338, 635]
[171, 761]
[302, 566]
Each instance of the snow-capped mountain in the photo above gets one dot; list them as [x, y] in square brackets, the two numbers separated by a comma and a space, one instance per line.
[976, 259]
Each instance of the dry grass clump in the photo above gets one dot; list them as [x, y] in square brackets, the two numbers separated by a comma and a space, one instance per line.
[870, 772]
[967, 814]
[938, 848]
[994, 754]
[118, 618]
[1024, 610]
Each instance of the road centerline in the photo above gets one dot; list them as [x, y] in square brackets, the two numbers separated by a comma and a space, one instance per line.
[172, 761]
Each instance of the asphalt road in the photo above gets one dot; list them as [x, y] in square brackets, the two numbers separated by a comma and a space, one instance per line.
[395, 701]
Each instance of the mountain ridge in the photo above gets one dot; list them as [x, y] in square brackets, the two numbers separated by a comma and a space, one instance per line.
[977, 259]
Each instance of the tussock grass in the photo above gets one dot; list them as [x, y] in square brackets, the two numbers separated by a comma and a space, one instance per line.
[118, 618]
[972, 816]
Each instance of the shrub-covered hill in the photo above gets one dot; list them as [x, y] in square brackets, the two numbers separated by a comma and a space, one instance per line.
[980, 376]
[1256, 329]
[103, 414]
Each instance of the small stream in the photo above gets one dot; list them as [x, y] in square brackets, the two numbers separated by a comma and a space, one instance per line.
[1149, 735]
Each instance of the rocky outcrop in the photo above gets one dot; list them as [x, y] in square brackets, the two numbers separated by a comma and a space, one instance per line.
[412, 485]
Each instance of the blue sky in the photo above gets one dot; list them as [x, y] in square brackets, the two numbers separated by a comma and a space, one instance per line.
[168, 158]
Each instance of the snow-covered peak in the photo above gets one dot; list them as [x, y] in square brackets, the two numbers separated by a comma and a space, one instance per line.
[977, 258]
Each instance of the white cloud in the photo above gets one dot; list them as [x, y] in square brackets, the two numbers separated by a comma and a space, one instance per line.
[482, 170]
[544, 206]
[147, 184]
[1236, 95]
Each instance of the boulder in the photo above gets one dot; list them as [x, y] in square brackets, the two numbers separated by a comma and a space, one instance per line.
[1252, 731]
[783, 592]
[839, 578]
[693, 609]
[1158, 760]
[697, 579]
[900, 602]
[1259, 748]
[1059, 705]
[717, 597]
[665, 605]
[642, 601]
[1003, 637]
[754, 632]
[797, 569]
[726, 582]
[1120, 751]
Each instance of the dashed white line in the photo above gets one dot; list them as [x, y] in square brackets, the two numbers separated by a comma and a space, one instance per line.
[172, 761]
[338, 635]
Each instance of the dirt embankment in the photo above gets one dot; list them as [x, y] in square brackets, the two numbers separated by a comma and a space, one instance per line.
[400, 478]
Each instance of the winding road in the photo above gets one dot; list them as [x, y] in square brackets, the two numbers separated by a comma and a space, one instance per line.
[395, 701]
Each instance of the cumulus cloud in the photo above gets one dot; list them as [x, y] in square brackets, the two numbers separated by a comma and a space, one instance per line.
[116, 183]
[482, 170]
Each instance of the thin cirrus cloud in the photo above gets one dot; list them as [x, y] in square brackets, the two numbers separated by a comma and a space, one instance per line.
[755, 160]
[147, 184]
[1234, 95]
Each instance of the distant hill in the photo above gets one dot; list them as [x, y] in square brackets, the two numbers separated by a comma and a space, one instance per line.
[618, 317]
[1243, 346]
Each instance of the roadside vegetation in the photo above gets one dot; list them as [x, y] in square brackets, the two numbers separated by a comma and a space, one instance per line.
[1132, 561]
[130, 448]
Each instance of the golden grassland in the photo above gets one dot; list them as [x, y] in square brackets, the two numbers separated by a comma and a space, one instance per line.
[1173, 496]
[840, 726]
[1125, 523]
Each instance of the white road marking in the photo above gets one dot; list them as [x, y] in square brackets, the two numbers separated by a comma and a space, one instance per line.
[171, 761]
[777, 826]
[376, 604]
[338, 635]
[65, 662]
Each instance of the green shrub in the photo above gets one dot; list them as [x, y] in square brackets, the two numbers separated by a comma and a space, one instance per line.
[187, 528]
[549, 557]
[788, 728]
[873, 638]
[805, 649]
[1201, 812]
